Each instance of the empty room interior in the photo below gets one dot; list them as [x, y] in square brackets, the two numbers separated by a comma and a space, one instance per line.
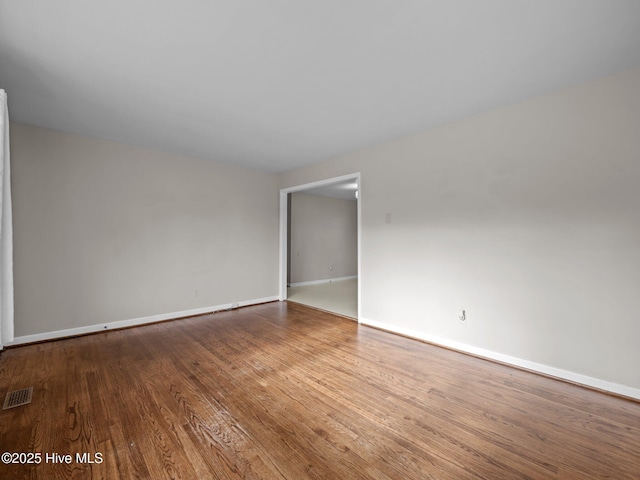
[322, 247]
[363, 239]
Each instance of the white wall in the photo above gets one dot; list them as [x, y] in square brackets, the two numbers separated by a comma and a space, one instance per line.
[324, 234]
[528, 217]
[106, 232]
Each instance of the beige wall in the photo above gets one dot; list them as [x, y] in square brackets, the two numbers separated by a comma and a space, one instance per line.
[107, 232]
[527, 217]
[324, 234]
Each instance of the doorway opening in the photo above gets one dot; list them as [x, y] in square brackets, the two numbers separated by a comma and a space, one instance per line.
[317, 271]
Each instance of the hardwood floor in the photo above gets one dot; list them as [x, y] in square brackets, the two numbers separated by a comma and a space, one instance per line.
[284, 391]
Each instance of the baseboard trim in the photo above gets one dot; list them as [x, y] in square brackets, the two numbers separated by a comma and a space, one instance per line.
[318, 282]
[133, 322]
[572, 377]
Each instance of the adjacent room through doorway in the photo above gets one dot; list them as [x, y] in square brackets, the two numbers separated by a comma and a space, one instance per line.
[322, 246]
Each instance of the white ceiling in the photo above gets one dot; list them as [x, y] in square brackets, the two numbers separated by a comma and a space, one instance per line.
[279, 84]
[345, 189]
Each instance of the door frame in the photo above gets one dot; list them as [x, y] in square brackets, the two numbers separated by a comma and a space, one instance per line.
[284, 216]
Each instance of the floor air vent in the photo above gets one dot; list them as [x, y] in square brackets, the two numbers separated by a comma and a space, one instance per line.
[17, 398]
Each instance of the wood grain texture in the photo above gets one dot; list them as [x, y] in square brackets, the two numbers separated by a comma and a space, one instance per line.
[282, 391]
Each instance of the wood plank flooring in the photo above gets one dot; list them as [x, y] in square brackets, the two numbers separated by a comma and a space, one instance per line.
[283, 391]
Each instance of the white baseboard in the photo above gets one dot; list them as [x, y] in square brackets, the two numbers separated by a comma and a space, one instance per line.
[318, 282]
[100, 327]
[518, 362]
